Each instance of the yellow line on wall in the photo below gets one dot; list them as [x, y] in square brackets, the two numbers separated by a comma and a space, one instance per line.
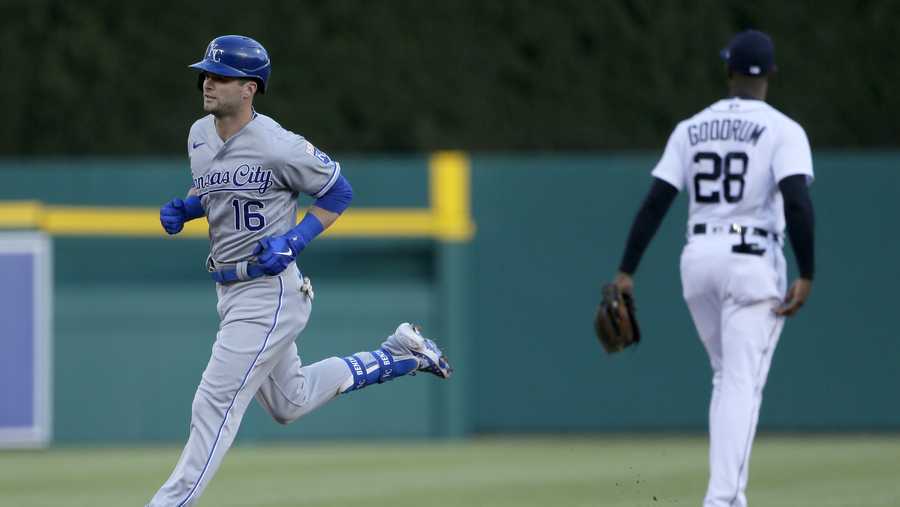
[449, 190]
[132, 221]
[20, 214]
[447, 219]
[368, 223]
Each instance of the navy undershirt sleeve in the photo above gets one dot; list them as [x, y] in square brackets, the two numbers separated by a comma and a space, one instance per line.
[647, 221]
[798, 213]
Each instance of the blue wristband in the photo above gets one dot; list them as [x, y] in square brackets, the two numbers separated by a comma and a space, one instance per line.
[192, 208]
[304, 232]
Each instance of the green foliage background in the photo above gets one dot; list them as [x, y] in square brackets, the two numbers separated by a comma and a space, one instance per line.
[110, 77]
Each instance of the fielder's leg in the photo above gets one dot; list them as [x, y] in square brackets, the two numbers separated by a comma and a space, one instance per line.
[706, 312]
[701, 293]
[749, 336]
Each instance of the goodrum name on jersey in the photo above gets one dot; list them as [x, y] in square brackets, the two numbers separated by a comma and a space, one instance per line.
[726, 129]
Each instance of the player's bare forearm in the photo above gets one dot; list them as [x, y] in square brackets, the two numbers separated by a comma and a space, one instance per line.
[326, 217]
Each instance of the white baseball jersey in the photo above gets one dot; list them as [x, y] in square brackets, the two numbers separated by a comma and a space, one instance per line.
[730, 157]
[249, 184]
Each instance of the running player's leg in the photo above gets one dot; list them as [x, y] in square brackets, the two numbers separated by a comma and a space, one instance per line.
[291, 390]
[260, 319]
[750, 333]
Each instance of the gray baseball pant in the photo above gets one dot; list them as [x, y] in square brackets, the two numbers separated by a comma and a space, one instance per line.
[254, 355]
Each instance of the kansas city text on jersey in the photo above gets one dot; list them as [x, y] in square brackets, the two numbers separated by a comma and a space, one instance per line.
[727, 129]
[243, 177]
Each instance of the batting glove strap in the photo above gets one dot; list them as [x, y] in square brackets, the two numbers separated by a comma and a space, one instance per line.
[274, 254]
[304, 233]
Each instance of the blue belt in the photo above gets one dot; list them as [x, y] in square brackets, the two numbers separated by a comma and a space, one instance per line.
[242, 271]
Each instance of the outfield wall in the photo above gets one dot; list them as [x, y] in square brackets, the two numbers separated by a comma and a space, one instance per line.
[550, 228]
[134, 315]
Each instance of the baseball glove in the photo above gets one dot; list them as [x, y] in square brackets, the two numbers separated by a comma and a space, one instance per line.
[615, 322]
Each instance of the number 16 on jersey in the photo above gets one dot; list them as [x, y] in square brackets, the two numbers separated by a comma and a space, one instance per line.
[247, 215]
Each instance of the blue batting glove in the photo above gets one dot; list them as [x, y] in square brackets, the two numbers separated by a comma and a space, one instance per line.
[274, 254]
[172, 216]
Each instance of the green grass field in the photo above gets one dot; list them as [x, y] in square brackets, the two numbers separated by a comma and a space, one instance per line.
[788, 471]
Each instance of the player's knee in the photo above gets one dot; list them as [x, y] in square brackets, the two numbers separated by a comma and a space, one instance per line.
[739, 382]
[284, 419]
[288, 413]
[289, 410]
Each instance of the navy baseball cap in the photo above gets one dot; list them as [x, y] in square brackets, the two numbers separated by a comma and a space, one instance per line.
[751, 53]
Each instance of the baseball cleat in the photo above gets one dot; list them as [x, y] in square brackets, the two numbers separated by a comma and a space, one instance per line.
[407, 340]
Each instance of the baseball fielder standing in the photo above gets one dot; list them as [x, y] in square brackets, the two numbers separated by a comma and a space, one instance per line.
[746, 167]
[247, 173]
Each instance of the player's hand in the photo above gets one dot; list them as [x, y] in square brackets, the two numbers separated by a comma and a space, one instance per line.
[274, 254]
[795, 298]
[624, 282]
[172, 216]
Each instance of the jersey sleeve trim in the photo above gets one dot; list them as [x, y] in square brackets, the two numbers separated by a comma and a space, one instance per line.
[677, 183]
[334, 176]
[809, 177]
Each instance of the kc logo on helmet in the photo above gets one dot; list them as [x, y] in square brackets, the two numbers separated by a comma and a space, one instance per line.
[215, 53]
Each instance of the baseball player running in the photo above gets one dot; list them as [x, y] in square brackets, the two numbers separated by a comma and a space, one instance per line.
[746, 167]
[247, 173]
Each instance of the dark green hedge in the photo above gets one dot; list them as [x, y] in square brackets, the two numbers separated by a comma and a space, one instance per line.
[111, 77]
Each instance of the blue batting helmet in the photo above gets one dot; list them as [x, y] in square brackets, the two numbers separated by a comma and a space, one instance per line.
[236, 56]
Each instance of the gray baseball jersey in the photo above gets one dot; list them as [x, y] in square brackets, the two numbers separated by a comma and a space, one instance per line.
[249, 184]
[248, 187]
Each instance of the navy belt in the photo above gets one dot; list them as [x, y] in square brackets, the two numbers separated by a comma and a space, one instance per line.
[241, 271]
[733, 229]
